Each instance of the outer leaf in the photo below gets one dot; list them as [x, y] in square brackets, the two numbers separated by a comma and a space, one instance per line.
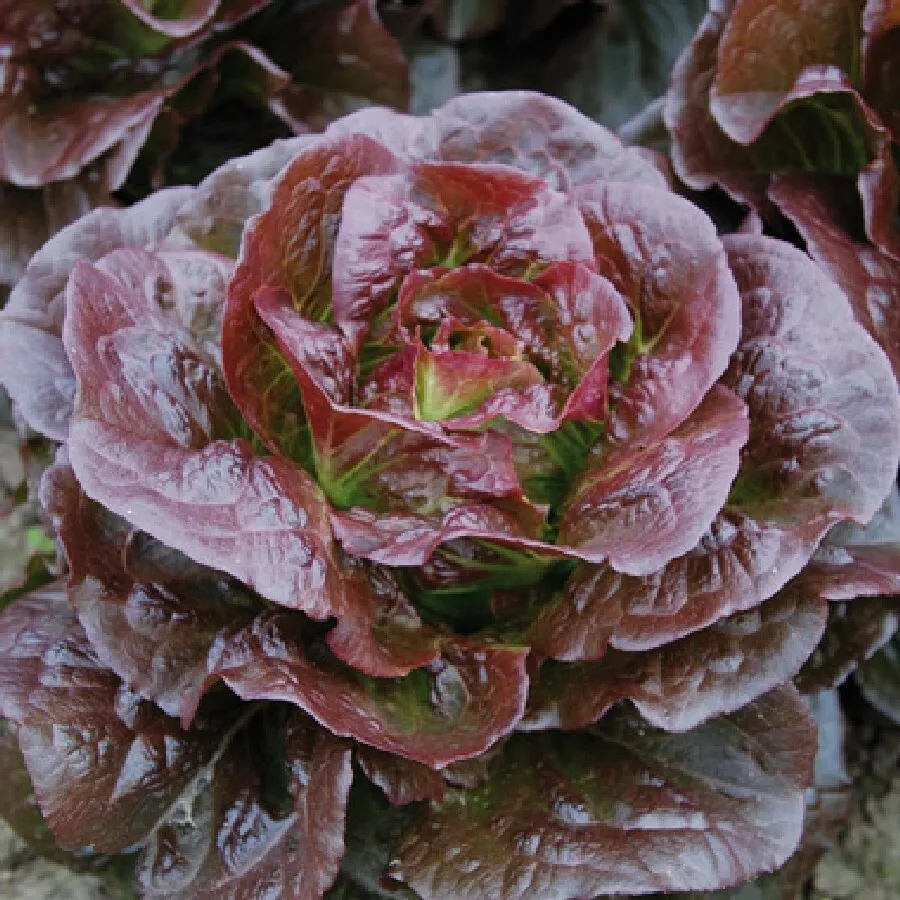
[869, 278]
[751, 82]
[644, 503]
[105, 764]
[455, 709]
[663, 255]
[823, 439]
[681, 685]
[33, 365]
[402, 780]
[538, 134]
[18, 806]
[622, 809]
[251, 829]
[148, 451]
[859, 561]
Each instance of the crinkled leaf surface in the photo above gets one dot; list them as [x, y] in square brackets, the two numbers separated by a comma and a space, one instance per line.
[157, 451]
[869, 277]
[33, 364]
[105, 764]
[679, 686]
[856, 631]
[751, 81]
[453, 709]
[818, 453]
[538, 134]
[665, 258]
[646, 502]
[622, 809]
[266, 818]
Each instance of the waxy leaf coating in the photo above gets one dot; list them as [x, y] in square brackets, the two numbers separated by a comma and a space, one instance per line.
[622, 809]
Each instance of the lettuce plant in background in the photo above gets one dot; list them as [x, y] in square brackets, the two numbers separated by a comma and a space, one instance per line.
[101, 94]
[809, 135]
[439, 498]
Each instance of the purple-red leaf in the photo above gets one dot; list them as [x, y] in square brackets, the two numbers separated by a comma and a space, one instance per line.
[445, 214]
[752, 82]
[33, 365]
[105, 764]
[266, 818]
[824, 441]
[622, 809]
[456, 708]
[154, 450]
[665, 258]
[677, 687]
[645, 502]
[537, 134]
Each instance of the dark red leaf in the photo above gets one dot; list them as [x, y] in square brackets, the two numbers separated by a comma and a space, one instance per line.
[622, 809]
[256, 826]
[454, 709]
[677, 687]
[869, 278]
[402, 780]
[105, 763]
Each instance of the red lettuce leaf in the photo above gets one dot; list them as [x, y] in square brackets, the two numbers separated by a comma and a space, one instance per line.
[18, 805]
[869, 278]
[623, 809]
[348, 59]
[267, 817]
[859, 561]
[33, 366]
[665, 258]
[646, 502]
[105, 764]
[538, 134]
[290, 246]
[823, 448]
[855, 632]
[150, 450]
[30, 217]
[111, 771]
[677, 687]
[880, 53]
[402, 780]
[456, 708]
[445, 214]
[377, 459]
[752, 83]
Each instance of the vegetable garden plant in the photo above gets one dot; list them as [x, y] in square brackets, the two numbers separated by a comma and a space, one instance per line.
[445, 507]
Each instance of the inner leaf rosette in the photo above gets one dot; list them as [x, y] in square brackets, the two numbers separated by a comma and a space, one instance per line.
[391, 474]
